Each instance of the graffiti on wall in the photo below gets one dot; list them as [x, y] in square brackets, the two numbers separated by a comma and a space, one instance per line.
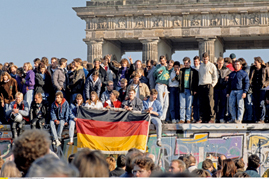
[200, 145]
[259, 144]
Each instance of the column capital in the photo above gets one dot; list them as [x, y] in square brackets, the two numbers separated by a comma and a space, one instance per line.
[145, 40]
[93, 41]
[212, 38]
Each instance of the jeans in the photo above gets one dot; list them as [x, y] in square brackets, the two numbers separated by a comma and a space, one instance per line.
[72, 125]
[206, 103]
[37, 123]
[220, 102]
[163, 97]
[185, 105]
[248, 108]
[28, 97]
[158, 124]
[58, 134]
[236, 104]
[174, 102]
[258, 98]
[196, 107]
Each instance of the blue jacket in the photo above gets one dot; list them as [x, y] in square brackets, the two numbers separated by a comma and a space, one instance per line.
[60, 112]
[157, 107]
[238, 80]
[73, 111]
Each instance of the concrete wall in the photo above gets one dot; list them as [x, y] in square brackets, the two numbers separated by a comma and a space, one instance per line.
[210, 141]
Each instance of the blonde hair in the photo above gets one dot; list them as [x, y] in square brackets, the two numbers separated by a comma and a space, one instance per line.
[9, 169]
[18, 94]
[30, 67]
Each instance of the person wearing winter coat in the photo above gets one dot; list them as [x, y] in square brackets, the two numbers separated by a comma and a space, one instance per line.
[93, 83]
[132, 103]
[77, 84]
[18, 112]
[59, 77]
[39, 112]
[73, 117]
[220, 90]
[59, 113]
[28, 83]
[106, 94]
[8, 90]
[43, 83]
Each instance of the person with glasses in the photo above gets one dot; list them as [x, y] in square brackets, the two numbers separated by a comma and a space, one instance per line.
[106, 94]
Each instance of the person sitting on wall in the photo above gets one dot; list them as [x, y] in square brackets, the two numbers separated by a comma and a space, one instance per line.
[132, 103]
[113, 101]
[39, 112]
[59, 113]
[72, 117]
[94, 102]
[154, 108]
[18, 112]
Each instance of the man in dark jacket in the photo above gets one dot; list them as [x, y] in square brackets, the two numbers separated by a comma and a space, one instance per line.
[39, 112]
[259, 80]
[220, 90]
[77, 84]
[253, 165]
[188, 85]
[59, 114]
[238, 85]
[120, 167]
[102, 73]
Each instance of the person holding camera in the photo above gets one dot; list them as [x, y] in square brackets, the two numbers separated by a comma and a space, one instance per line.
[132, 103]
[18, 112]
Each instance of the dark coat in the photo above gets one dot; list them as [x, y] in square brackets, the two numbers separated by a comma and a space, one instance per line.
[238, 80]
[117, 71]
[78, 81]
[8, 91]
[193, 80]
[265, 77]
[89, 87]
[117, 172]
[45, 109]
[44, 86]
[222, 73]
[102, 75]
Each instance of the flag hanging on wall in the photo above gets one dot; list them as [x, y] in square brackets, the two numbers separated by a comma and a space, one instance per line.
[112, 131]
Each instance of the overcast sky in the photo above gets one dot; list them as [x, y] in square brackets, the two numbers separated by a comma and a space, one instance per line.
[37, 28]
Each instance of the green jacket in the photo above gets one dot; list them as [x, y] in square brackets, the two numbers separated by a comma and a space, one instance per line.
[162, 78]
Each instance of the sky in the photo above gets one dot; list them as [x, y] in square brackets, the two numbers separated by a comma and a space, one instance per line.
[35, 28]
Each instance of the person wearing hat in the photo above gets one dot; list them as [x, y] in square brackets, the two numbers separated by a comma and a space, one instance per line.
[208, 78]
[18, 112]
[233, 57]
[102, 73]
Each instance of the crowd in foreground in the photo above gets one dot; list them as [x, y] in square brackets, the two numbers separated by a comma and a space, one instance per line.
[33, 158]
[226, 92]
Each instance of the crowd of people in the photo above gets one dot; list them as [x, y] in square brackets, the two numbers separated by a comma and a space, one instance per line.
[33, 158]
[229, 91]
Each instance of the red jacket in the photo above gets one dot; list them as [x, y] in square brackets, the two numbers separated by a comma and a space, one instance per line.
[230, 66]
[116, 104]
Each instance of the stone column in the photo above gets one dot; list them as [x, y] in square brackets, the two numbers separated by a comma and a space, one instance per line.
[95, 48]
[207, 45]
[150, 49]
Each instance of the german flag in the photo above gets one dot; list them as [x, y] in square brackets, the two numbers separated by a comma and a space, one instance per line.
[112, 131]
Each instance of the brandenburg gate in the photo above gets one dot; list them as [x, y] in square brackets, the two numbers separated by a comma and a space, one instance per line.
[160, 27]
